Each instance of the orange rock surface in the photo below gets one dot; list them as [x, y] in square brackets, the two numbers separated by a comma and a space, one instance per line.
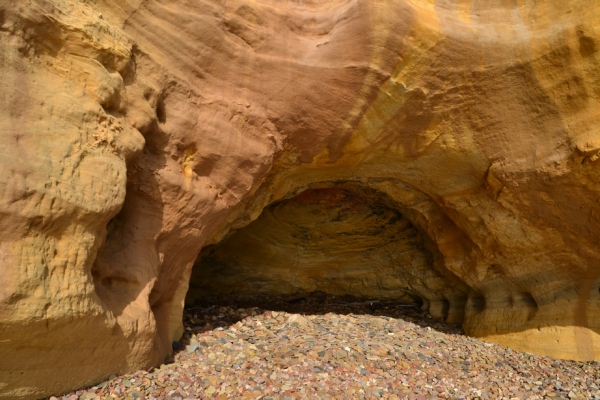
[136, 133]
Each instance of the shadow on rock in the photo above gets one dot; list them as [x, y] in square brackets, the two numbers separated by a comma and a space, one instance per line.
[225, 310]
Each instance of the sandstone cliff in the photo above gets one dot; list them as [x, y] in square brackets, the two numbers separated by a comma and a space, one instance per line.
[454, 143]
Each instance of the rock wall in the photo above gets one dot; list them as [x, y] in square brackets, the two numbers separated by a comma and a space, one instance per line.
[135, 133]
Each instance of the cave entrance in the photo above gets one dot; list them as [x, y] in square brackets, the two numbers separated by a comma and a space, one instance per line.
[339, 240]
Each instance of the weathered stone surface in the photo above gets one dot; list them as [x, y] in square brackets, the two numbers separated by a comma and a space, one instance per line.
[136, 133]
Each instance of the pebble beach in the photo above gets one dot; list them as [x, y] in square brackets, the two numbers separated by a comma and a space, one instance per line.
[318, 346]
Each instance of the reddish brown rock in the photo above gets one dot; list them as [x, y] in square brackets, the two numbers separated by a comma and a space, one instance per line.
[135, 134]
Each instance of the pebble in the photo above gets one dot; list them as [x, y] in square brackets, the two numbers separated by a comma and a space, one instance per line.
[319, 346]
[192, 348]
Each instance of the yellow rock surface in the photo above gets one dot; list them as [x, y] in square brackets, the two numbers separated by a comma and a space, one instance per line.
[136, 133]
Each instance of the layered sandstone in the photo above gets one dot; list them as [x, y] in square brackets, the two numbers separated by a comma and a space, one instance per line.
[137, 133]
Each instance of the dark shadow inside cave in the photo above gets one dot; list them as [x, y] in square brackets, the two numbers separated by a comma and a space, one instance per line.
[344, 240]
[339, 240]
[222, 311]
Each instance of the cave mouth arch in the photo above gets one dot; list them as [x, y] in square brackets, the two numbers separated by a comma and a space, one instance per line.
[339, 239]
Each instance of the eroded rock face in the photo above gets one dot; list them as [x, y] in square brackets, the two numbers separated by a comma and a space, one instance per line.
[136, 133]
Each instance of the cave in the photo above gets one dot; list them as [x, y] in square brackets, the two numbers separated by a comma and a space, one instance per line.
[342, 239]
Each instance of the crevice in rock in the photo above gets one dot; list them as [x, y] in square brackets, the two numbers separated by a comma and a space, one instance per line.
[525, 301]
[476, 304]
[161, 113]
[121, 286]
